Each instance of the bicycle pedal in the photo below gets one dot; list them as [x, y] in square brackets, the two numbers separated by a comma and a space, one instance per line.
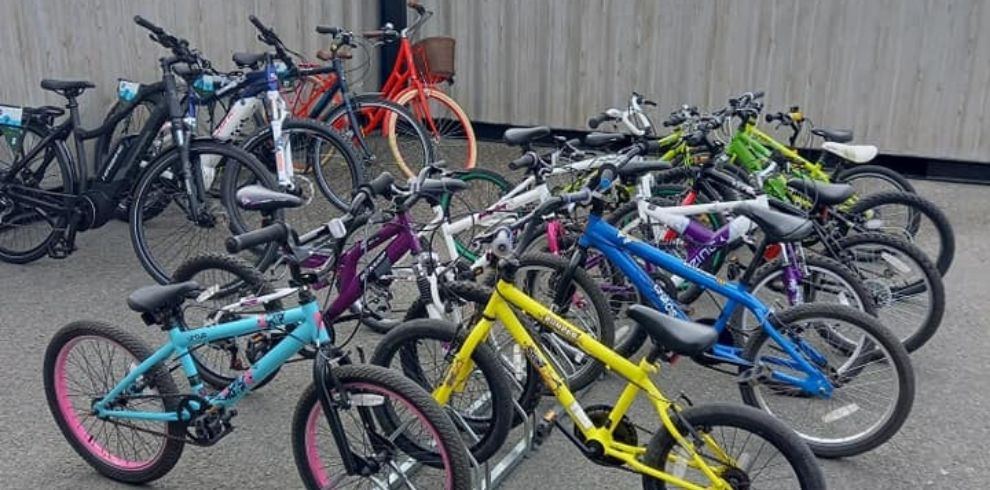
[754, 375]
[544, 427]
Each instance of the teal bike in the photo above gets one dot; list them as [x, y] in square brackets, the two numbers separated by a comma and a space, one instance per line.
[117, 404]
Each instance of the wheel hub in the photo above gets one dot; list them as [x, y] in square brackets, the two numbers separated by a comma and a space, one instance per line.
[737, 478]
[880, 292]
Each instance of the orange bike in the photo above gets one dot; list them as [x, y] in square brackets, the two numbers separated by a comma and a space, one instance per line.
[414, 83]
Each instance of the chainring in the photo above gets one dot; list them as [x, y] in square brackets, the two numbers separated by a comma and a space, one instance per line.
[625, 431]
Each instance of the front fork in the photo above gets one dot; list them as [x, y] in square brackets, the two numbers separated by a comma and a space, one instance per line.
[283, 148]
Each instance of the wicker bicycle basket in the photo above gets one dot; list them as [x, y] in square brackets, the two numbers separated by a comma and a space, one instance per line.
[434, 57]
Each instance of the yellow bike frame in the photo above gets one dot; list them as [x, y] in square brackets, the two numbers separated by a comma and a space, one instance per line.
[499, 308]
[814, 170]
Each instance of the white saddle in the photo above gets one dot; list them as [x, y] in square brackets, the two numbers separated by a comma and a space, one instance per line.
[853, 153]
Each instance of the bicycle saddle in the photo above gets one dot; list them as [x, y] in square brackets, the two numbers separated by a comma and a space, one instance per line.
[635, 168]
[66, 85]
[853, 153]
[522, 136]
[836, 135]
[45, 111]
[258, 198]
[153, 298]
[822, 193]
[599, 139]
[247, 59]
[777, 226]
[680, 336]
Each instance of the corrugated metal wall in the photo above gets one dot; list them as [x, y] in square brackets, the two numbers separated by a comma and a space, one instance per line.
[911, 76]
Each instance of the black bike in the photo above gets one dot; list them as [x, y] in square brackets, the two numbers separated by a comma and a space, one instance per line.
[46, 195]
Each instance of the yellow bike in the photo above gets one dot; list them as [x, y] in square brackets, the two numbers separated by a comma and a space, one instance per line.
[715, 446]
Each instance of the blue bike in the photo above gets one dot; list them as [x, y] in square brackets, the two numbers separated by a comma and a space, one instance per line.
[834, 374]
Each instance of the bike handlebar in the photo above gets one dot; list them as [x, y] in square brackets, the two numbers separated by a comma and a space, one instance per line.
[525, 161]
[277, 232]
[595, 121]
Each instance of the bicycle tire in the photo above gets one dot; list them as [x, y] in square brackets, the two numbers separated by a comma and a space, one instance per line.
[711, 417]
[455, 158]
[889, 346]
[402, 345]
[860, 297]
[930, 282]
[527, 380]
[922, 207]
[164, 169]
[375, 380]
[82, 440]
[249, 281]
[420, 152]
[468, 176]
[12, 222]
[856, 172]
[315, 150]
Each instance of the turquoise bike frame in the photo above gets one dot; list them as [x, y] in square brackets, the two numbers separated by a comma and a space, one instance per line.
[309, 328]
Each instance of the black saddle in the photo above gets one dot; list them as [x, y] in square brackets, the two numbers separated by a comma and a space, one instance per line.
[835, 135]
[822, 193]
[154, 298]
[247, 59]
[599, 139]
[636, 168]
[45, 111]
[258, 198]
[676, 335]
[524, 136]
[778, 227]
[66, 87]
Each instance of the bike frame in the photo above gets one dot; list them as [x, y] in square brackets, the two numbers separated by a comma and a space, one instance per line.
[500, 307]
[308, 327]
[620, 251]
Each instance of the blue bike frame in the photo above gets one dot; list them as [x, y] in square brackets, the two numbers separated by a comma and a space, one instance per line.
[309, 327]
[620, 250]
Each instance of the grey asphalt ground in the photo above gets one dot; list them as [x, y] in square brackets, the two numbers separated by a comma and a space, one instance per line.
[944, 444]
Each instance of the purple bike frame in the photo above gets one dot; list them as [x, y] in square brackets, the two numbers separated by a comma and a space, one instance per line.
[350, 281]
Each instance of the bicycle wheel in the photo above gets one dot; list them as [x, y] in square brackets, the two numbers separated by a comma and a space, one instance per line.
[586, 308]
[873, 382]
[904, 284]
[219, 363]
[167, 239]
[873, 179]
[83, 362]
[745, 447]
[822, 280]
[325, 170]
[394, 140]
[387, 424]
[485, 188]
[482, 408]
[27, 230]
[448, 127]
[913, 218]
[471, 298]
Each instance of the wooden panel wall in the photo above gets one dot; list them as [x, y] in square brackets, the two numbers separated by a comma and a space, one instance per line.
[911, 76]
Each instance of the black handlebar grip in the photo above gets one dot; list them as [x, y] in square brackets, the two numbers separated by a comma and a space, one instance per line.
[257, 23]
[525, 161]
[271, 233]
[332, 30]
[141, 21]
[417, 7]
[381, 184]
[651, 146]
[549, 206]
[758, 94]
[595, 121]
